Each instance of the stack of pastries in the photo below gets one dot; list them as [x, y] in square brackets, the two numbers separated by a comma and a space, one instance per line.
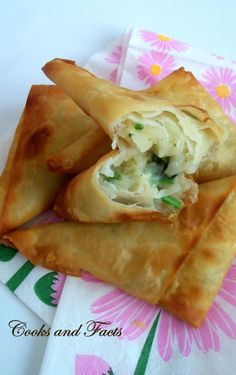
[145, 182]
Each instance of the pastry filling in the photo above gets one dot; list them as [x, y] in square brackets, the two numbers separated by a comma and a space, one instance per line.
[175, 134]
[140, 179]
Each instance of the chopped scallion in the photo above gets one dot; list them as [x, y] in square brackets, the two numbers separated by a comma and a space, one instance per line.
[116, 176]
[138, 126]
[166, 180]
[172, 201]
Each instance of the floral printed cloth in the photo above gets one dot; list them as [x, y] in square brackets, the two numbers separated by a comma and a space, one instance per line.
[142, 339]
[152, 341]
[142, 58]
[37, 287]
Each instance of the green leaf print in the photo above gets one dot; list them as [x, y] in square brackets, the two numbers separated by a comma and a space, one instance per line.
[6, 253]
[110, 372]
[19, 276]
[43, 288]
[144, 356]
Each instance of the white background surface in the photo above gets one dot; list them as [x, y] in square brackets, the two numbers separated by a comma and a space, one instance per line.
[31, 33]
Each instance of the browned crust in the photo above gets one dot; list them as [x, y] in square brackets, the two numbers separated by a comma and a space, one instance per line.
[201, 274]
[84, 200]
[82, 153]
[135, 257]
[50, 122]
[106, 102]
[183, 88]
[69, 247]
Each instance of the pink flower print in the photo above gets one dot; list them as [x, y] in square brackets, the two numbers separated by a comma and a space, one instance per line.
[91, 365]
[162, 42]
[113, 75]
[227, 291]
[173, 332]
[221, 84]
[57, 287]
[47, 217]
[132, 314]
[135, 317]
[114, 58]
[88, 277]
[153, 66]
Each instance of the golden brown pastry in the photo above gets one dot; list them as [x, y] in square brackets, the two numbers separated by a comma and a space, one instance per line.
[159, 142]
[4, 178]
[184, 134]
[183, 88]
[139, 258]
[50, 122]
[199, 278]
[143, 258]
[82, 153]
[126, 186]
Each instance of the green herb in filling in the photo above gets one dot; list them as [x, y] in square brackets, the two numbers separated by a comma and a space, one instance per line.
[166, 181]
[172, 201]
[138, 126]
[116, 176]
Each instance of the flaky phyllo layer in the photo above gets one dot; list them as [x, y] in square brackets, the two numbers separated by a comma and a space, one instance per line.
[139, 179]
[159, 152]
[184, 136]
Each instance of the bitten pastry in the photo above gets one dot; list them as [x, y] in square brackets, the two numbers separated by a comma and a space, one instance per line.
[178, 138]
[148, 260]
[126, 186]
[184, 134]
[182, 88]
[50, 122]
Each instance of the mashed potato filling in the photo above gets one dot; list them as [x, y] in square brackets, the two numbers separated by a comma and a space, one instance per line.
[176, 134]
[140, 179]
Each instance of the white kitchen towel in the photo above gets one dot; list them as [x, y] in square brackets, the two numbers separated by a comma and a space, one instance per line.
[100, 330]
[37, 287]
